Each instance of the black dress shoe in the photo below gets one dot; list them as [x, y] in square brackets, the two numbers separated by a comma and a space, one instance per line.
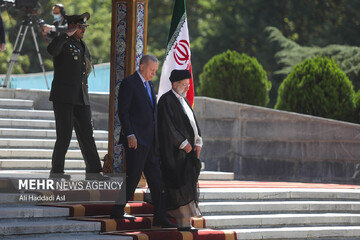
[97, 176]
[60, 176]
[122, 216]
[164, 223]
[188, 229]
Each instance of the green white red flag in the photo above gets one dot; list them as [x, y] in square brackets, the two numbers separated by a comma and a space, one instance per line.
[178, 55]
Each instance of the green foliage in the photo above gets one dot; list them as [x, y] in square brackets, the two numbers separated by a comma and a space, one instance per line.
[357, 107]
[235, 77]
[23, 63]
[214, 27]
[97, 36]
[291, 53]
[318, 87]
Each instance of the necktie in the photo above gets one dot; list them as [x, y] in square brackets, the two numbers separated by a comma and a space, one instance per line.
[149, 92]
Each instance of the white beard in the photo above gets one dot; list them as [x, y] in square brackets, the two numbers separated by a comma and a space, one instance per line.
[182, 94]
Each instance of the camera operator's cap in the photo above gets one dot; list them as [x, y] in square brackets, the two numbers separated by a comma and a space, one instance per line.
[178, 75]
[78, 19]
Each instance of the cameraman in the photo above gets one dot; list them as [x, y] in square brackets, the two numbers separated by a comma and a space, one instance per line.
[59, 24]
[2, 35]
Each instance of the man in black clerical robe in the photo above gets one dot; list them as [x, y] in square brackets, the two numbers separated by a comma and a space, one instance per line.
[180, 145]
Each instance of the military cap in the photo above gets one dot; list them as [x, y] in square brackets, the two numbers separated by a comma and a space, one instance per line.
[78, 19]
[178, 75]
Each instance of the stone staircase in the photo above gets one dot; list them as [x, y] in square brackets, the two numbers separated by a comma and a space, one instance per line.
[252, 213]
[27, 138]
[26, 141]
[284, 213]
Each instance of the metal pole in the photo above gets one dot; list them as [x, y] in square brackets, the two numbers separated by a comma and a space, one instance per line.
[15, 54]
[39, 56]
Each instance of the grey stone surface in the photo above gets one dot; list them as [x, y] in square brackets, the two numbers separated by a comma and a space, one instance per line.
[39, 227]
[43, 133]
[258, 143]
[99, 103]
[308, 233]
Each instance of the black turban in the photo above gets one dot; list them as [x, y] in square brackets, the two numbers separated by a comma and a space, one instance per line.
[178, 75]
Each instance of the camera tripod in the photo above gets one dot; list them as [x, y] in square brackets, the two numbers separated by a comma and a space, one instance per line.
[17, 49]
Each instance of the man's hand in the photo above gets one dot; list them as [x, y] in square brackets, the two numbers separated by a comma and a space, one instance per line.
[47, 27]
[197, 149]
[132, 142]
[187, 148]
[2, 47]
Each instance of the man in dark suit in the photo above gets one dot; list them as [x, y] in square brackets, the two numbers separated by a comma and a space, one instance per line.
[69, 94]
[137, 113]
[181, 143]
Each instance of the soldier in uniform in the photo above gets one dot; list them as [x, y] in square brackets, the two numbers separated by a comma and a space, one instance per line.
[69, 94]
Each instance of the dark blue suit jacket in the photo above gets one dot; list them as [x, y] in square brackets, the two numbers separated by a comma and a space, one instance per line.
[136, 113]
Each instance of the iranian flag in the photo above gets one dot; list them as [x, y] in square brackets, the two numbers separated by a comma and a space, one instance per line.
[177, 54]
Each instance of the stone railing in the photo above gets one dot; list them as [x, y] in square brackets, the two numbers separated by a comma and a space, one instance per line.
[258, 143]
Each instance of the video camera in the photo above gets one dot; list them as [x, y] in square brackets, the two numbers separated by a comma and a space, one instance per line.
[29, 7]
[20, 4]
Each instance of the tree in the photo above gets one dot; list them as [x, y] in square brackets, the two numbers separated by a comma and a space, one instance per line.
[97, 36]
[318, 87]
[235, 77]
[291, 53]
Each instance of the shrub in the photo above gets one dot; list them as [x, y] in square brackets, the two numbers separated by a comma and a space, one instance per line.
[235, 77]
[318, 87]
[357, 107]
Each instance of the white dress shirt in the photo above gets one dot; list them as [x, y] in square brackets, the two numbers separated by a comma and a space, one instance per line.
[189, 113]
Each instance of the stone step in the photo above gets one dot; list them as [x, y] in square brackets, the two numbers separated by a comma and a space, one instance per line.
[281, 220]
[39, 164]
[276, 194]
[41, 153]
[73, 167]
[10, 213]
[11, 198]
[40, 227]
[16, 103]
[211, 175]
[41, 143]
[26, 123]
[267, 207]
[72, 236]
[308, 233]
[42, 133]
[13, 175]
[206, 208]
[26, 114]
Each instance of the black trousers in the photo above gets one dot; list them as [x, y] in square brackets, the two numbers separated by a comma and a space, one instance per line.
[143, 159]
[67, 117]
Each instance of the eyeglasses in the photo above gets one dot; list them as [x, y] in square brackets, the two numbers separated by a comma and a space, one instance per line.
[185, 84]
[82, 26]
